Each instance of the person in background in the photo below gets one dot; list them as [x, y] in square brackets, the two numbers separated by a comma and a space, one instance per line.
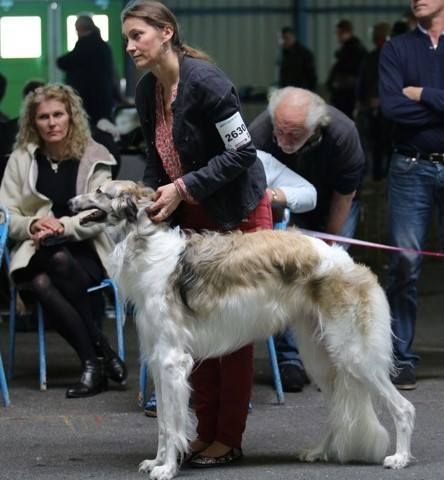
[407, 23]
[286, 188]
[322, 144]
[297, 64]
[3, 84]
[90, 70]
[376, 128]
[53, 256]
[203, 165]
[341, 82]
[412, 96]
[9, 129]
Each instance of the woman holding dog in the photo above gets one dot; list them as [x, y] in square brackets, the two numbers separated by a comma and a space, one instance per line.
[203, 166]
[54, 257]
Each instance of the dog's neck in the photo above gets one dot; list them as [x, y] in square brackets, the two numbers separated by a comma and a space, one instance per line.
[145, 246]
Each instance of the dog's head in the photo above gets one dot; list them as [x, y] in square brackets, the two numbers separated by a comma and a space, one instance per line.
[114, 202]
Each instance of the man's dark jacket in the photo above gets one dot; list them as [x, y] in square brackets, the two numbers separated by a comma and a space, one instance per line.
[90, 71]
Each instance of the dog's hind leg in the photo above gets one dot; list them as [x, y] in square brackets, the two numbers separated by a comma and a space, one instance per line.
[403, 414]
[334, 363]
[175, 367]
[321, 371]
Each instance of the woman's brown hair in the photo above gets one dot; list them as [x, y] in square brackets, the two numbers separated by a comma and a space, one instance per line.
[159, 16]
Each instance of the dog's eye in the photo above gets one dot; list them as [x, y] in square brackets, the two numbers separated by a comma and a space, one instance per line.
[99, 191]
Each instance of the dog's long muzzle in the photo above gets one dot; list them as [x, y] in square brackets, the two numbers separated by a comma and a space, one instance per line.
[96, 216]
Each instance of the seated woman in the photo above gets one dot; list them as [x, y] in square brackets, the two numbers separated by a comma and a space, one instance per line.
[53, 256]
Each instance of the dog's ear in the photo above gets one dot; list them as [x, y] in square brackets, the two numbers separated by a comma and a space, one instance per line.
[130, 210]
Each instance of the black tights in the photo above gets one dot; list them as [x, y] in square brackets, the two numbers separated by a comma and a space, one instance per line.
[59, 283]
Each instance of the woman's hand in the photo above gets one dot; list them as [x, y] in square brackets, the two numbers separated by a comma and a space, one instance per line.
[50, 224]
[167, 199]
[45, 227]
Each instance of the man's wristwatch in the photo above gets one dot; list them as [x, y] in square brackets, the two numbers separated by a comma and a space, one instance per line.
[274, 195]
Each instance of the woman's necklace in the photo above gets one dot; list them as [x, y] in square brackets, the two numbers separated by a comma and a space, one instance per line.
[54, 164]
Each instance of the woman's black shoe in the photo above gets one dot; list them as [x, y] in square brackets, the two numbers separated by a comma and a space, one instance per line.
[92, 381]
[115, 368]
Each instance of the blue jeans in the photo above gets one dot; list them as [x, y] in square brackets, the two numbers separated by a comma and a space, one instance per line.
[286, 345]
[415, 187]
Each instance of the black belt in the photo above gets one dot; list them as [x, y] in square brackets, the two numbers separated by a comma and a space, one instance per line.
[431, 157]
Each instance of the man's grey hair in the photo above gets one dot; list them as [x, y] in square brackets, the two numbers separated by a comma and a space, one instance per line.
[317, 114]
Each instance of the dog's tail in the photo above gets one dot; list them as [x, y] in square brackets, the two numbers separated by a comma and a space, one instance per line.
[354, 333]
[357, 433]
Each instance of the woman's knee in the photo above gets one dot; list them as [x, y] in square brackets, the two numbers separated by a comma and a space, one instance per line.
[41, 284]
[60, 262]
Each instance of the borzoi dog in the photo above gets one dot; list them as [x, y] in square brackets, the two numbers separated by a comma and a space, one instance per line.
[204, 295]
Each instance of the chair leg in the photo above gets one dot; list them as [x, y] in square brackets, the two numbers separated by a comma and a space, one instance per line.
[119, 311]
[42, 347]
[275, 370]
[120, 316]
[143, 381]
[12, 326]
[3, 384]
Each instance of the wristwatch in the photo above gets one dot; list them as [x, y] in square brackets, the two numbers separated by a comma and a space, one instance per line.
[274, 195]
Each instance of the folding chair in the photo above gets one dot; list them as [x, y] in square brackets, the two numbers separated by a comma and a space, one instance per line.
[4, 224]
[144, 371]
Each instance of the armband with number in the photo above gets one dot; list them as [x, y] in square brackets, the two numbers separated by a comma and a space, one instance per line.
[233, 132]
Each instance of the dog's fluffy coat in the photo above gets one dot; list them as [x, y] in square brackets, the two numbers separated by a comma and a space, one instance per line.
[204, 295]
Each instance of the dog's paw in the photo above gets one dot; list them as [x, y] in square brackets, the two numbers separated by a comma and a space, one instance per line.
[163, 472]
[397, 461]
[311, 455]
[148, 465]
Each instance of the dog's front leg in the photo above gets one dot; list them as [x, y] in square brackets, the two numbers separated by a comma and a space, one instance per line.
[148, 465]
[174, 371]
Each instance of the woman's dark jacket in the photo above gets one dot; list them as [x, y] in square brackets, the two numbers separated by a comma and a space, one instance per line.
[228, 183]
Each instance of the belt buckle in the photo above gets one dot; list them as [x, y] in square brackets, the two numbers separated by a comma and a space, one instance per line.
[437, 157]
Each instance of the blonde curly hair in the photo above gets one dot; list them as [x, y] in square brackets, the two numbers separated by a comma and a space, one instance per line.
[79, 133]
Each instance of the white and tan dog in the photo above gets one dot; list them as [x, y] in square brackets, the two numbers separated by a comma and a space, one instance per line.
[204, 295]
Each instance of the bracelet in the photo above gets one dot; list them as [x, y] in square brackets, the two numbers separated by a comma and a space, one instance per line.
[274, 195]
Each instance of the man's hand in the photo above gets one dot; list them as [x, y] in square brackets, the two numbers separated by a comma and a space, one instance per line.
[167, 199]
[414, 93]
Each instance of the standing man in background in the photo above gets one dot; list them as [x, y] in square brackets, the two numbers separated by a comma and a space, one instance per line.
[341, 82]
[412, 96]
[297, 64]
[90, 70]
[376, 128]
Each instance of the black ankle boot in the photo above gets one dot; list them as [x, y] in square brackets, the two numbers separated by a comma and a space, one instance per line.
[115, 368]
[92, 381]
